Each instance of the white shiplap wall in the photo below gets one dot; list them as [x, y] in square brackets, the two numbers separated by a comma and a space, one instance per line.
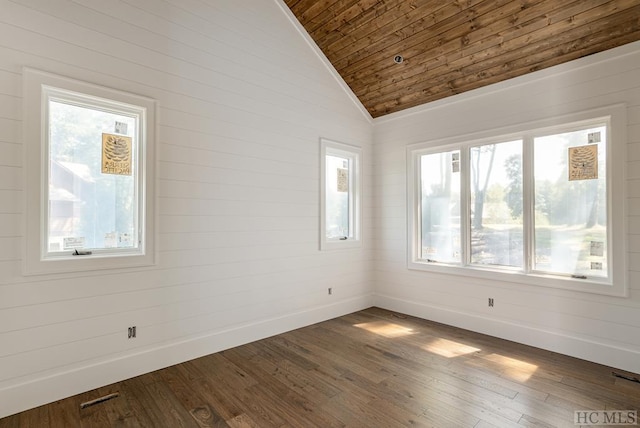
[594, 327]
[243, 101]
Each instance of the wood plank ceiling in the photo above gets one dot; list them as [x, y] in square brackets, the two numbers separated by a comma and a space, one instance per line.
[450, 47]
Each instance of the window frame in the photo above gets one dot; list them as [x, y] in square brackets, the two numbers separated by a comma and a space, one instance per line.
[354, 155]
[39, 88]
[616, 282]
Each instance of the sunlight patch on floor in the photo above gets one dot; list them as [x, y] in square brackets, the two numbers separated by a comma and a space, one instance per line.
[449, 348]
[513, 368]
[385, 329]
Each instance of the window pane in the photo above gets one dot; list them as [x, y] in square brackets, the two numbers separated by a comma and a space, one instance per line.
[495, 180]
[440, 207]
[338, 197]
[92, 179]
[571, 203]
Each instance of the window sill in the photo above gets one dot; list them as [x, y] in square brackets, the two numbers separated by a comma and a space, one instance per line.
[590, 285]
[340, 244]
[94, 262]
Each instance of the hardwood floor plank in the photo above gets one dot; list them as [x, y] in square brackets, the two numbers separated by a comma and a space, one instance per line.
[219, 368]
[545, 412]
[169, 407]
[206, 418]
[119, 411]
[64, 413]
[193, 402]
[217, 395]
[36, 417]
[143, 406]
[568, 404]
[332, 362]
[95, 415]
[131, 395]
[530, 421]
[349, 409]
[417, 397]
[306, 379]
[242, 421]
[373, 368]
[282, 390]
[352, 357]
[12, 421]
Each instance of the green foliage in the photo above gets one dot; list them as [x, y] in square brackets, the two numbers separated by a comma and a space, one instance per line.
[513, 194]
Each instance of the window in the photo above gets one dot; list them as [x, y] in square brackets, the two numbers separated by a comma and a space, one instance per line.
[543, 205]
[570, 202]
[440, 178]
[89, 176]
[340, 195]
[495, 177]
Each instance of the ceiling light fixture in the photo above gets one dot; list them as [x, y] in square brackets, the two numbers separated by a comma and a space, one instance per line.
[398, 59]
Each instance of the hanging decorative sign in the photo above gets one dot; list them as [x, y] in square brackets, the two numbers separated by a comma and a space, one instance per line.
[116, 154]
[343, 179]
[583, 162]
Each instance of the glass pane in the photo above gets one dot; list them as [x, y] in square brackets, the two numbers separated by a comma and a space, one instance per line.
[496, 204]
[337, 176]
[92, 179]
[440, 222]
[571, 203]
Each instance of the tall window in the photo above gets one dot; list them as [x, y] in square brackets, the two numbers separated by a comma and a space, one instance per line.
[340, 195]
[570, 202]
[495, 206]
[543, 205]
[93, 174]
[92, 158]
[440, 206]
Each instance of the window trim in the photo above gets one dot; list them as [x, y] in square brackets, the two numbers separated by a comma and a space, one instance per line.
[354, 154]
[615, 285]
[38, 86]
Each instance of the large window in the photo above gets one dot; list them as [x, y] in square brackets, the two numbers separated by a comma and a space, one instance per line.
[544, 205]
[89, 181]
[340, 195]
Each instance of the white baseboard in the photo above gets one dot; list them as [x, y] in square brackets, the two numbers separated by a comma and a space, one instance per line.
[36, 392]
[601, 353]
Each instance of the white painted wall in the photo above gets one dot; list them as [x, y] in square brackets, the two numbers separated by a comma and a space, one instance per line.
[243, 101]
[594, 327]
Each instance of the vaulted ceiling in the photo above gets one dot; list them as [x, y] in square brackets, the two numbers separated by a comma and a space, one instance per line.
[449, 47]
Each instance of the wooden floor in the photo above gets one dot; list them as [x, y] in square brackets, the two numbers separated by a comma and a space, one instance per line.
[369, 369]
